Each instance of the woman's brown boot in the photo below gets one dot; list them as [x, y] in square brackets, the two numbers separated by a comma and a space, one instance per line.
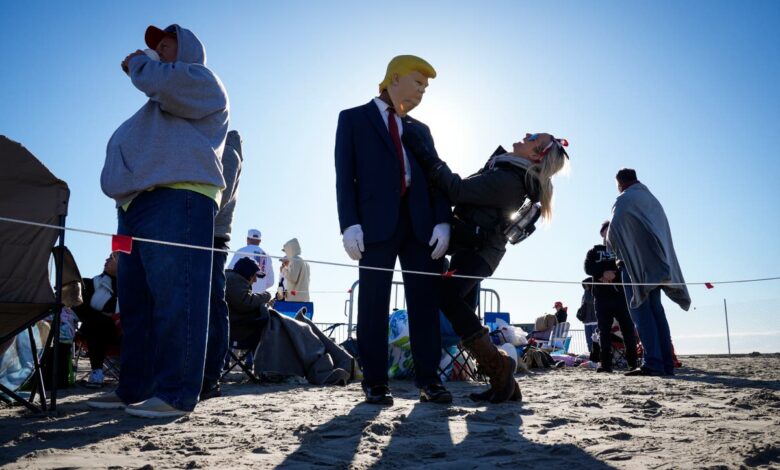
[497, 365]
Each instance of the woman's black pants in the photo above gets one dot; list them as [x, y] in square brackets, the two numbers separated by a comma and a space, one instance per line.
[458, 297]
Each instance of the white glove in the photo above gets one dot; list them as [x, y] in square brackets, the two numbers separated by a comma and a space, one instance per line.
[353, 241]
[441, 238]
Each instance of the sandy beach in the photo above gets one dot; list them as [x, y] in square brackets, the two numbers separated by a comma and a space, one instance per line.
[717, 412]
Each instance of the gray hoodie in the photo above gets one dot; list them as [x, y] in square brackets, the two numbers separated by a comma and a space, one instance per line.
[179, 134]
[231, 171]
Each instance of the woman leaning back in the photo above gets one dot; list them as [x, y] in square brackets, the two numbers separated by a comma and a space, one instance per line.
[484, 201]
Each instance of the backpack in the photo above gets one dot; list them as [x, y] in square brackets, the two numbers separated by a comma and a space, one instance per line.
[546, 322]
[535, 358]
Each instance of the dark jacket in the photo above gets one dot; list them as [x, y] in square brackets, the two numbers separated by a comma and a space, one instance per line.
[368, 184]
[231, 171]
[486, 199]
[562, 314]
[244, 305]
[587, 309]
[598, 260]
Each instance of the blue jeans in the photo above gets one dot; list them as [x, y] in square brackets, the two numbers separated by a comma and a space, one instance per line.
[219, 326]
[589, 329]
[164, 297]
[650, 321]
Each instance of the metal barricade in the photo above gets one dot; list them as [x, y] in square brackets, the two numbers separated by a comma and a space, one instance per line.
[488, 298]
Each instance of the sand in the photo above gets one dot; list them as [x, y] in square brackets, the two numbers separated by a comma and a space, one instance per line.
[717, 412]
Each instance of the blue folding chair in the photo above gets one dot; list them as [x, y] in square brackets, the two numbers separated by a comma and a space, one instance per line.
[491, 317]
[292, 308]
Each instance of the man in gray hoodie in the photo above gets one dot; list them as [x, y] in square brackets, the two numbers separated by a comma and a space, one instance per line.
[163, 168]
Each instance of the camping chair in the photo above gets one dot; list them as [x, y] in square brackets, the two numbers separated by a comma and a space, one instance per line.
[110, 362]
[240, 351]
[30, 192]
[559, 339]
[459, 358]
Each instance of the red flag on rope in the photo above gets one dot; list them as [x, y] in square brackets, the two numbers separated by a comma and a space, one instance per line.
[708, 285]
[449, 273]
[122, 243]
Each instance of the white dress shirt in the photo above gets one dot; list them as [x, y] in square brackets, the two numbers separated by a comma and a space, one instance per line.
[385, 115]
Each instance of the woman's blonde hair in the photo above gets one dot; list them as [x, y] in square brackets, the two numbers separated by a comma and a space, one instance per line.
[540, 175]
[403, 65]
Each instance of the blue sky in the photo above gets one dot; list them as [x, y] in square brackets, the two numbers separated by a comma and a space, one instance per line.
[685, 92]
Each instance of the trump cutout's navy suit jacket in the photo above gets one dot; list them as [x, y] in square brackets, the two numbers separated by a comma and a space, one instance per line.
[368, 183]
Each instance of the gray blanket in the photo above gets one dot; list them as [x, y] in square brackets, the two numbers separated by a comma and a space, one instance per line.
[640, 236]
[296, 347]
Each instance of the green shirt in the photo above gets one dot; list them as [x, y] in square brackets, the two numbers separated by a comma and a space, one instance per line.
[208, 190]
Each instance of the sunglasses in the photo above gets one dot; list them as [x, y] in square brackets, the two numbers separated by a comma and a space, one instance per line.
[560, 143]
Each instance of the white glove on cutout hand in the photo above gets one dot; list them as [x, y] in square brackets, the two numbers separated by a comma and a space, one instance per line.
[440, 237]
[353, 241]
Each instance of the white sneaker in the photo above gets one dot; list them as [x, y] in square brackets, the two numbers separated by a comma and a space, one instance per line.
[95, 379]
[154, 408]
[107, 401]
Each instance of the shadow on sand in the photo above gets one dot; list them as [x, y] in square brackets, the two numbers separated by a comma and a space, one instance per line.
[492, 437]
[73, 426]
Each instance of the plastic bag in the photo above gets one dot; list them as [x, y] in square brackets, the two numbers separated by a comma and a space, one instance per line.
[512, 334]
[398, 328]
[400, 364]
[511, 351]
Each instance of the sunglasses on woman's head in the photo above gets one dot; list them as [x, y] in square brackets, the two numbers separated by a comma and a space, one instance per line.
[561, 143]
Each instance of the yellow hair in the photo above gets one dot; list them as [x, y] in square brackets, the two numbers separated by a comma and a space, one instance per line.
[404, 64]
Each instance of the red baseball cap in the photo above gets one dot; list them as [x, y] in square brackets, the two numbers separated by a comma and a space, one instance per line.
[558, 304]
[154, 35]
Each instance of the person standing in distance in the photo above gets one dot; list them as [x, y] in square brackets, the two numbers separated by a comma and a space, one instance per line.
[265, 277]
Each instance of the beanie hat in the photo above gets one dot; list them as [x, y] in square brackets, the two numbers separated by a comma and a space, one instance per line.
[246, 267]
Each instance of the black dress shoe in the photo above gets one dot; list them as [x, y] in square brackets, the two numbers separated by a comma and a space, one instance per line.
[378, 395]
[435, 393]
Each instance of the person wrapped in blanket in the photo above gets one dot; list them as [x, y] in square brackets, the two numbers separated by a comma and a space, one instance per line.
[483, 202]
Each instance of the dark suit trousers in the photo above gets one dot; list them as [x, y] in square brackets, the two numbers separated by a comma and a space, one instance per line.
[374, 304]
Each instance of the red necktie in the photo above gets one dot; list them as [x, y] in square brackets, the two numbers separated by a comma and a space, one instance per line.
[392, 126]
